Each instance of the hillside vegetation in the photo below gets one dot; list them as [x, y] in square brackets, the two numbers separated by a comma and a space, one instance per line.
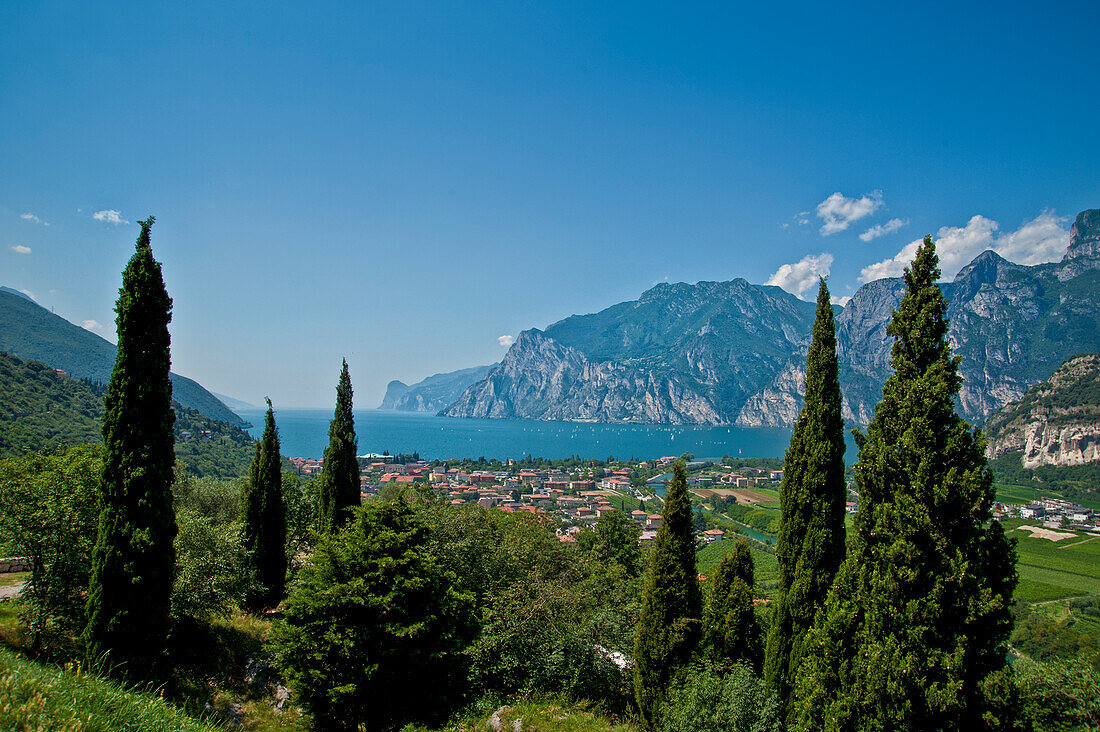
[43, 410]
[29, 331]
[1071, 395]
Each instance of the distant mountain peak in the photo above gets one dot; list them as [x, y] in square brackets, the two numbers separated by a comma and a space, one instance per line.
[1084, 235]
[18, 293]
[31, 332]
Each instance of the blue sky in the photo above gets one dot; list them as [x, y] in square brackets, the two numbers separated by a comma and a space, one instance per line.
[403, 183]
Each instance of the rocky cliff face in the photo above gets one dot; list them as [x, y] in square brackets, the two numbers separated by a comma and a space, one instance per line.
[733, 353]
[680, 354]
[433, 393]
[1057, 422]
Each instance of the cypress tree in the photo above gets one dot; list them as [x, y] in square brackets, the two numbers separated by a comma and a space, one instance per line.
[731, 632]
[264, 519]
[914, 630]
[670, 617]
[340, 475]
[133, 559]
[811, 529]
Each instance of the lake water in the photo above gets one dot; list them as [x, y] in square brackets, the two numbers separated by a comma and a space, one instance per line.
[304, 433]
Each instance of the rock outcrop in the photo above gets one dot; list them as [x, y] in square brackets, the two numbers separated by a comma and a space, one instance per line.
[433, 393]
[1057, 422]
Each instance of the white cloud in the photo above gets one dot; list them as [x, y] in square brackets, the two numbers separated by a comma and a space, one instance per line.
[883, 229]
[802, 276]
[20, 249]
[1043, 239]
[31, 217]
[110, 216]
[28, 293]
[506, 341]
[841, 301]
[839, 212]
[92, 325]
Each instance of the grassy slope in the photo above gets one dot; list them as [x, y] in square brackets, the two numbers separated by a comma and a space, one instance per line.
[537, 716]
[39, 697]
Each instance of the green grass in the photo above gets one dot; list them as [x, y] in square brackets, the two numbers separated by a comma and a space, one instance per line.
[1029, 591]
[1050, 570]
[770, 493]
[629, 503]
[39, 697]
[538, 716]
[1074, 584]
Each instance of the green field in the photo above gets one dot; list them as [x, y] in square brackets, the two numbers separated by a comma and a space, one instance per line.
[1051, 570]
[708, 557]
[1010, 493]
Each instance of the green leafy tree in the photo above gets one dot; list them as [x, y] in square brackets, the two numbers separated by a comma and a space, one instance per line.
[300, 500]
[614, 541]
[914, 631]
[373, 632]
[48, 513]
[811, 529]
[670, 617]
[264, 517]
[131, 584]
[340, 476]
[731, 632]
[212, 570]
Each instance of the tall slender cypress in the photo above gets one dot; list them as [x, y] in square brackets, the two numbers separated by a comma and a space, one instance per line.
[670, 617]
[811, 529]
[340, 475]
[731, 632]
[914, 630]
[264, 519]
[133, 560]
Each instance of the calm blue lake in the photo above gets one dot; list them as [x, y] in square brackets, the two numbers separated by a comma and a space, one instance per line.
[304, 433]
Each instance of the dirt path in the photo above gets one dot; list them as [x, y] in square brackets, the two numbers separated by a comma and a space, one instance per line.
[7, 592]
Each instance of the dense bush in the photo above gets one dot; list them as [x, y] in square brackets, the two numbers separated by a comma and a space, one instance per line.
[374, 630]
[210, 576]
[48, 513]
[553, 619]
[706, 701]
[1061, 695]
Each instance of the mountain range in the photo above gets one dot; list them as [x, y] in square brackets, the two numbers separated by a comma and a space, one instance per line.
[434, 393]
[31, 332]
[734, 353]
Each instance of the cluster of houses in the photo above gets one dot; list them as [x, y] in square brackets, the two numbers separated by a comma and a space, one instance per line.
[575, 501]
[1054, 513]
[306, 466]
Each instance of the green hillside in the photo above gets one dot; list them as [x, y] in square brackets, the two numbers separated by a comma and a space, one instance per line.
[29, 331]
[1070, 395]
[41, 409]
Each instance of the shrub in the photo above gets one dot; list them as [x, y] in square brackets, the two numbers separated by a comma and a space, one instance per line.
[374, 629]
[48, 513]
[705, 701]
